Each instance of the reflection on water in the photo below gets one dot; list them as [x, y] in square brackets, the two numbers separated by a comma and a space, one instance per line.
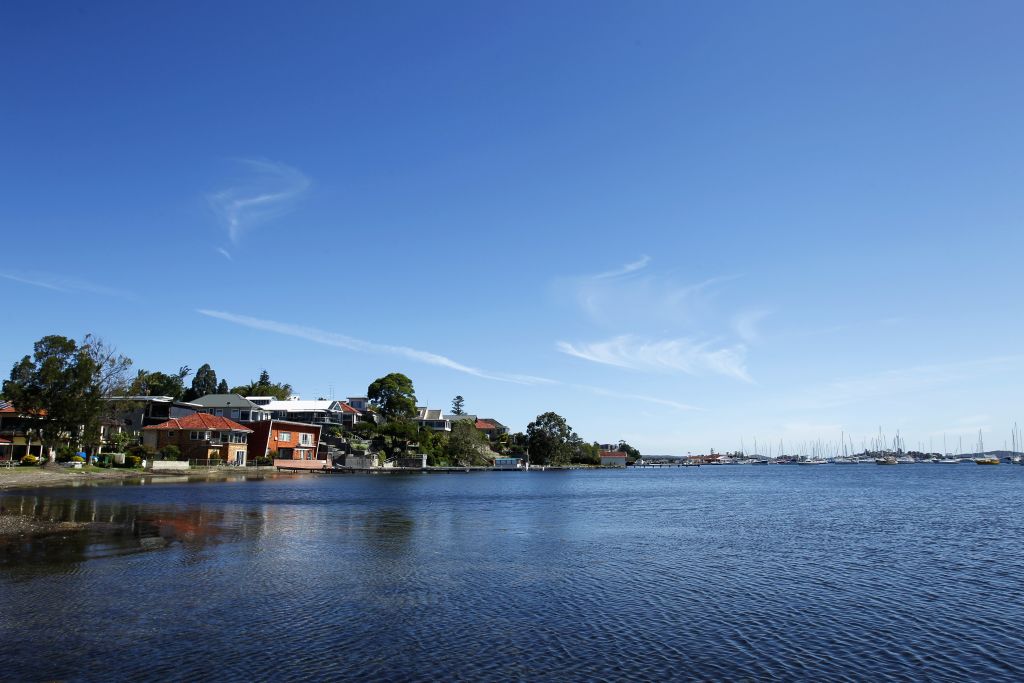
[856, 573]
[112, 527]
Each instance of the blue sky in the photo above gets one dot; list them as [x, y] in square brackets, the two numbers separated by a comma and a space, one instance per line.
[682, 224]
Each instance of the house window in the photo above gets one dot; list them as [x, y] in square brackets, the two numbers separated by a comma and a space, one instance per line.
[215, 437]
[284, 436]
[219, 412]
[195, 436]
[306, 439]
[235, 413]
[239, 437]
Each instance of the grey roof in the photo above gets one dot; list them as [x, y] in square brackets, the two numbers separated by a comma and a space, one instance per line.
[429, 414]
[455, 418]
[226, 401]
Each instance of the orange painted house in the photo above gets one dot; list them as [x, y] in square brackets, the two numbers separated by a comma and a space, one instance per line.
[284, 439]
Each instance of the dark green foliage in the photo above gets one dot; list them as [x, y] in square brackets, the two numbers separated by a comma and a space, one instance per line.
[222, 387]
[586, 453]
[264, 387]
[631, 453]
[551, 441]
[60, 385]
[204, 382]
[467, 445]
[393, 396]
[158, 383]
[518, 443]
[458, 406]
[170, 452]
[364, 429]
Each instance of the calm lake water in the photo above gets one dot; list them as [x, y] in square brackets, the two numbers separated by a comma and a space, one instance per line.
[736, 573]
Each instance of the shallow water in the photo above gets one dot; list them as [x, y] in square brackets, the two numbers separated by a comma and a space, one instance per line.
[786, 573]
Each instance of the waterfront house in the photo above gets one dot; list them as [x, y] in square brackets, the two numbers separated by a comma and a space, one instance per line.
[284, 439]
[322, 411]
[202, 437]
[231, 406]
[488, 425]
[360, 403]
[508, 463]
[432, 419]
[613, 459]
[17, 429]
[130, 414]
[491, 427]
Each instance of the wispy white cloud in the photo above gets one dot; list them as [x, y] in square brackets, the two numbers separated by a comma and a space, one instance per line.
[628, 268]
[912, 380]
[267, 190]
[746, 323]
[676, 405]
[353, 344]
[225, 253]
[665, 355]
[62, 283]
[633, 297]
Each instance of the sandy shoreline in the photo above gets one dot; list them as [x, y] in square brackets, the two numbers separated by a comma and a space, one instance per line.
[14, 526]
[33, 477]
[14, 478]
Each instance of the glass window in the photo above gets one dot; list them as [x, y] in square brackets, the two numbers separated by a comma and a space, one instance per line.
[306, 439]
[284, 436]
[219, 412]
[236, 414]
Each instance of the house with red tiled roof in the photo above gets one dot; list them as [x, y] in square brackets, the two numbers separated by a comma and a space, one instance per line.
[491, 427]
[201, 437]
[613, 459]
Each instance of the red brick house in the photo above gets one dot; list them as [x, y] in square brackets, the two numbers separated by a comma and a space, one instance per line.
[201, 437]
[283, 439]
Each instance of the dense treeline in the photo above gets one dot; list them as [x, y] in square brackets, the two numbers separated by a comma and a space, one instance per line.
[63, 384]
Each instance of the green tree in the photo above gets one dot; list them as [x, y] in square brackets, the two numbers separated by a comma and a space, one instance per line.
[110, 379]
[631, 453]
[458, 406]
[59, 385]
[366, 429]
[264, 387]
[518, 443]
[204, 382]
[393, 396]
[170, 452]
[158, 383]
[467, 445]
[222, 387]
[401, 432]
[550, 440]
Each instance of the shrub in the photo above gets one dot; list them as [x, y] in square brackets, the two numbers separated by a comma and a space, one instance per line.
[138, 450]
[65, 453]
[77, 458]
[132, 461]
[170, 452]
[29, 460]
